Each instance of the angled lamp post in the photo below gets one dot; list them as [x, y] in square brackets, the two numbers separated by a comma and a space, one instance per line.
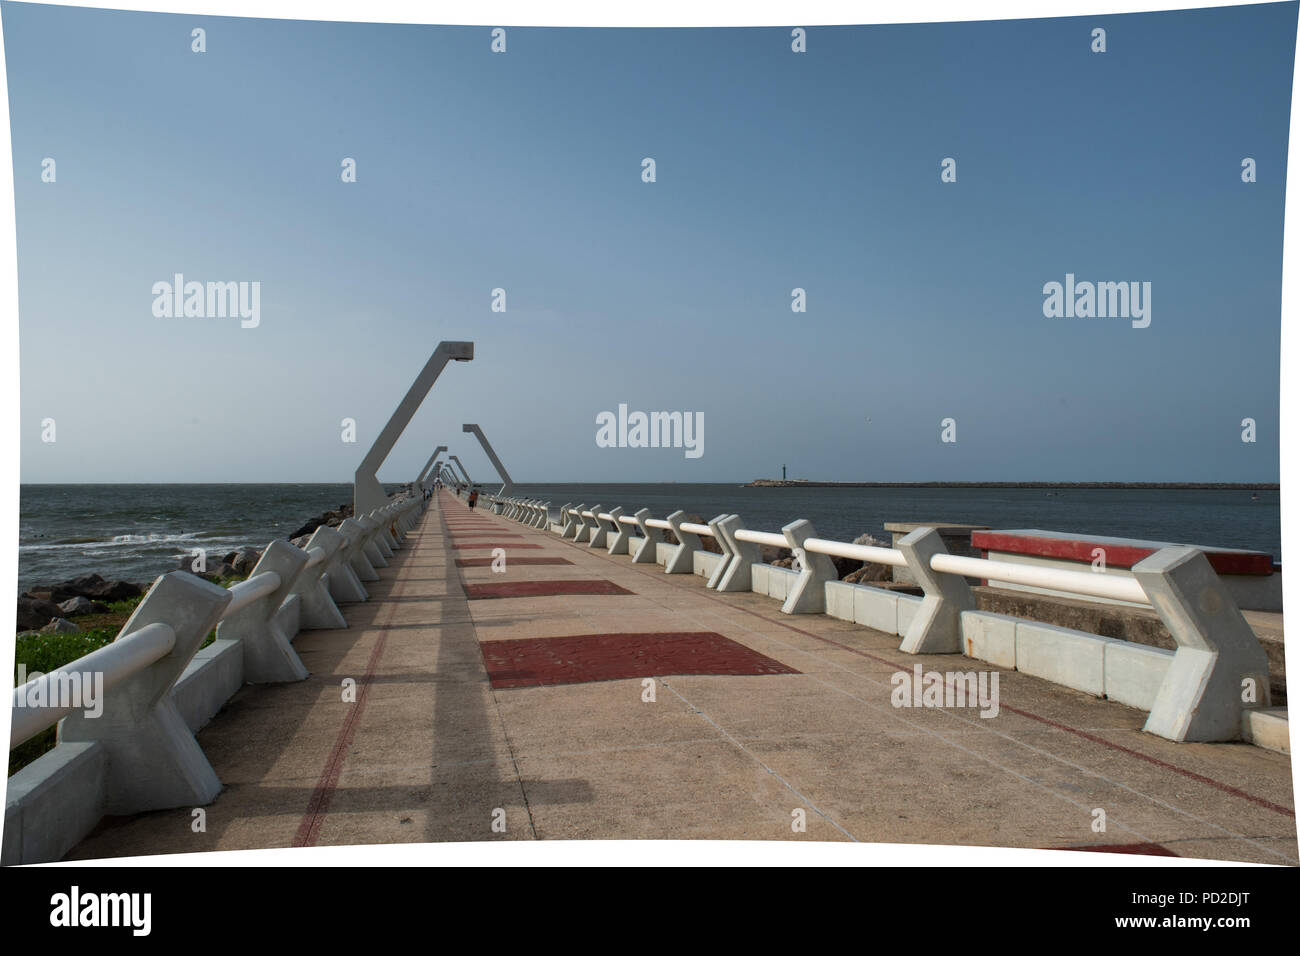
[468, 481]
[367, 493]
[429, 465]
[496, 462]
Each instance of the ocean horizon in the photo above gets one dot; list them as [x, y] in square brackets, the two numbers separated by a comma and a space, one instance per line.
[137, 531]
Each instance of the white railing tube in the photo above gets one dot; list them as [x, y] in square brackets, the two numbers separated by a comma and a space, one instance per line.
[115, 661]
[855, 552]
[695, 528]
[762, 537]
[246, 592]
[1092, 583]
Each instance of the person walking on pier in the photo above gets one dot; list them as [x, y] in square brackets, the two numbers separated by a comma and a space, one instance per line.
[473, 498]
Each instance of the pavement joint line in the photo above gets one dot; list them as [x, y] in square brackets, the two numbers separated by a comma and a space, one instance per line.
[496, 702]
[758, 760]
[663, 588]
[313, 818]
[976, 728]
[1191, 774]
[891, 712]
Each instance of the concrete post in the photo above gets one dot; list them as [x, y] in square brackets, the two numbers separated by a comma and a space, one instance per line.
[599, 533]
[269, 658]
[154, 762]
[544, 516]
[1218, 658]
[720, 571]
[589, 525]
[646, 552]
[682, 560]
[744, 555]
[808, 593]
[936, 627]
[318, 610]
[622, 533]
[344, 585]
[368, 493]
[370, 545]
[572, 519]
[357, 555]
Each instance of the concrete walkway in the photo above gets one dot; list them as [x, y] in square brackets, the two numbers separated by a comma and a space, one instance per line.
[795, 721]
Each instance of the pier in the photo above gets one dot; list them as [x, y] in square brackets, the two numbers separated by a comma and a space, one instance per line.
[428, 672]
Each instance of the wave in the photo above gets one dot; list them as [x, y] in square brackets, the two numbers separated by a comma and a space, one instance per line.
[117, 541]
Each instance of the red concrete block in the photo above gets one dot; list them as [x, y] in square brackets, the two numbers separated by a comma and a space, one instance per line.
[494, 544]
[509, 589]
[485, 562]
[600, 657]
[1141, 849]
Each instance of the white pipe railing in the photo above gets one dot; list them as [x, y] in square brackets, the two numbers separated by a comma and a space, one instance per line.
[762, 537]
[246, 592]
[112, 664]
[1090, 583]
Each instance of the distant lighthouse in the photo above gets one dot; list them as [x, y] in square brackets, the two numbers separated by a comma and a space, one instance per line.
[783, 472]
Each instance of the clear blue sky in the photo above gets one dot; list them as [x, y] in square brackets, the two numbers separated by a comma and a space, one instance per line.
[775, 170]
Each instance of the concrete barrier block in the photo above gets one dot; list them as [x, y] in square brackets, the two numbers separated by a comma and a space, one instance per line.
[210, 680]
[990, 637]
[839, 600]
[909, 605]
[758, 578]
[1134, 672]
[779, 582]
[1263, 727]
[706, 562]
[876, 608]
[1070, 658]
[54, 802]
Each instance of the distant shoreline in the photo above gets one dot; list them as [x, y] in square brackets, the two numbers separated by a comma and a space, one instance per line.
[1117, 485]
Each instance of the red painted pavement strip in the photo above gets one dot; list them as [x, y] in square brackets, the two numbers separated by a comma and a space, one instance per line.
[485, 562]
[495, 544]
[1137, 754]
[318, 805]
[484, 534]
[586, 658]
[509, 589]
[1140, 849]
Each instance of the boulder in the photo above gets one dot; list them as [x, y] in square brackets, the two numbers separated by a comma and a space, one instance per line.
[869, 574]
[60, 625]
[245, 561]
[113, 591]
[216, 572]
[34, 613]
[82, 605]
[76, 587]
